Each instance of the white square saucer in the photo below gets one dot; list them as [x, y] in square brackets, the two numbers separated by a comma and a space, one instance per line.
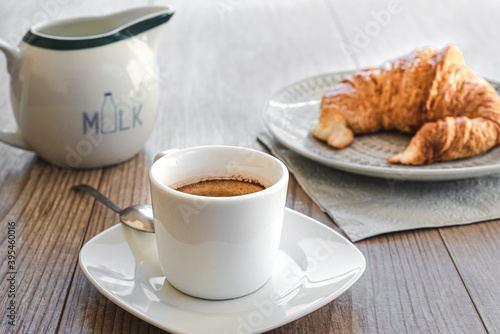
[315, 265]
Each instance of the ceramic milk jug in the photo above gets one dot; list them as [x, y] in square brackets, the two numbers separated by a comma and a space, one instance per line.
[85, 91]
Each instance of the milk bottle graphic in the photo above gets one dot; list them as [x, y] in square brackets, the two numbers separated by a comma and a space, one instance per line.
[108, 114]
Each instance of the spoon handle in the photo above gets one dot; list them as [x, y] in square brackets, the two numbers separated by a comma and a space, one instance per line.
[99, 196]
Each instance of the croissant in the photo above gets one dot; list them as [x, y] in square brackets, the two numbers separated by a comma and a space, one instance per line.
[432, 94]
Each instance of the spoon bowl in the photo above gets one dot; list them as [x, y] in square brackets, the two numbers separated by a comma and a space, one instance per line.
[138, 216]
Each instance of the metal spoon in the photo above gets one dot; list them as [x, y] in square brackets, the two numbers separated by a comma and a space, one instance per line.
[138, 217]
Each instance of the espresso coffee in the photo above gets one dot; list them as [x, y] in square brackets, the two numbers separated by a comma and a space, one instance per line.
[222, 187]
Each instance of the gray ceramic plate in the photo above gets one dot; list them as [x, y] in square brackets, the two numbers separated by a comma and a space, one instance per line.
[292, 112]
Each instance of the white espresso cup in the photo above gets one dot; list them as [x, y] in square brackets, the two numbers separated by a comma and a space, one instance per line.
[218, 247]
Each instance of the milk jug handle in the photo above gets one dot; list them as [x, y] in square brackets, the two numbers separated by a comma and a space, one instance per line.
[12, 56]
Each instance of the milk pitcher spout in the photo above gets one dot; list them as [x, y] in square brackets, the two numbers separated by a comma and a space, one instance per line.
[91, 32]
[84, 91]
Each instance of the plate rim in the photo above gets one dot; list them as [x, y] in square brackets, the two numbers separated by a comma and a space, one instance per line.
[406, 173]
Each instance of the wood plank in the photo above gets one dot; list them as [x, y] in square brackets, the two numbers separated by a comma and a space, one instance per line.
[475, 251]
[15, 166]
[388, 29]
[50, 223]
[412, 286]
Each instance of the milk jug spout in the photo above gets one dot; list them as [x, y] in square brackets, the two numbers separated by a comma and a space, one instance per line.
[151, 25]
[142, 22]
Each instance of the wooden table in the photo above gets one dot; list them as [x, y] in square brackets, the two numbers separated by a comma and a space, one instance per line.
[219, 61]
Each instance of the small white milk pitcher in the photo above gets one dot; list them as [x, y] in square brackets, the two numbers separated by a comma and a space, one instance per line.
[84, 91]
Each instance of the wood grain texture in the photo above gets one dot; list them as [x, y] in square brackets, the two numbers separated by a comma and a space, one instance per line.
[421, 287]
[50, 223]
[219, 61]
[476, 253]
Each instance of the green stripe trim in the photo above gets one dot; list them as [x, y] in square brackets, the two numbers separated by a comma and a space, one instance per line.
[92, 42]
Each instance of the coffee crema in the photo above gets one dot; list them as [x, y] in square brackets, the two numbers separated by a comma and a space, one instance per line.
[222, 187]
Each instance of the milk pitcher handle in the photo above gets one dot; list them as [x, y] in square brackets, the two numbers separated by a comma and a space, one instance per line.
[13, 138]
[164, 153]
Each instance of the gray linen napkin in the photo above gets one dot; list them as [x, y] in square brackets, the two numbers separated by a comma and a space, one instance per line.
[365, 206]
